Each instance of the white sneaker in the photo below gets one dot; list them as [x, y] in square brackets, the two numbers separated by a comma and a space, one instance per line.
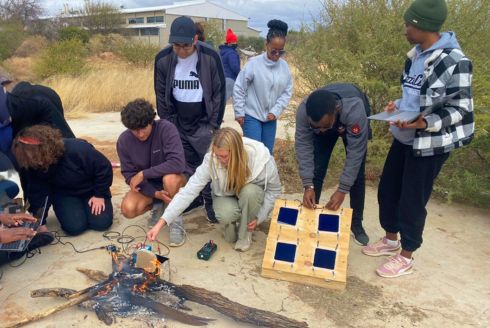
[243, 245]
[177, 232]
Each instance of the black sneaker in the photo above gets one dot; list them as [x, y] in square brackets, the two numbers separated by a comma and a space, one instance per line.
[360, 236]
[210, 213]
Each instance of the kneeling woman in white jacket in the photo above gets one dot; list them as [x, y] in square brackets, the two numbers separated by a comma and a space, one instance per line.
[245, 185]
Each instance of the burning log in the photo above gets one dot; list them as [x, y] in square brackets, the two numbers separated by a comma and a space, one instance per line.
[128, 286]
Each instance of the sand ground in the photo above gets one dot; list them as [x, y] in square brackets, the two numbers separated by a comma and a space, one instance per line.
[450, 287]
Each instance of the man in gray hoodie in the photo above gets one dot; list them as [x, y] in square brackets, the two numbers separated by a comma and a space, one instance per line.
[336, 110]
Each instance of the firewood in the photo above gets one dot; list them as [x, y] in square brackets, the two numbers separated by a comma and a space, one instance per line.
[238, 311]
[168, 312]
[53, 292]
[95, 275]
[53, 310]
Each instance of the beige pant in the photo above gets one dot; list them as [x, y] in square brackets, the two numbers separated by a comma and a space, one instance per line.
[231, 210]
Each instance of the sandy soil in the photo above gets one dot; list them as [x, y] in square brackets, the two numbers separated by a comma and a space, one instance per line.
[449, 288]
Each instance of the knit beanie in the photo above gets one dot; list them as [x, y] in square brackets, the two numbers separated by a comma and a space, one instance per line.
[231, 37]
[427, 15]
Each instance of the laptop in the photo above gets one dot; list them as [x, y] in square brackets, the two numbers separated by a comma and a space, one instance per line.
[21, 245]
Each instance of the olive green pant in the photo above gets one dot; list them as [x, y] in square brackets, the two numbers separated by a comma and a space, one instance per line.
[232, 211]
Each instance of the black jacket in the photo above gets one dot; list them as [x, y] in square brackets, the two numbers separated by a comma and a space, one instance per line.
[26, 111]
[211, 76]
[38, 91]
[82, 171]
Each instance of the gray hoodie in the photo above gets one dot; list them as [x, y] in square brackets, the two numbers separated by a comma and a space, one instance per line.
[262, 87]
[263, 173]
[354, 121]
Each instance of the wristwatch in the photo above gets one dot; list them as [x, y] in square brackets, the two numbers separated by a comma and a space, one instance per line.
[309, 188]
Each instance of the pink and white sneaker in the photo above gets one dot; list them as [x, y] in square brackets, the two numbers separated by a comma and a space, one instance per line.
[381, 248]
[396, 266]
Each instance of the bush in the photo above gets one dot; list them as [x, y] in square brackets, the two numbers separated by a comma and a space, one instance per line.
[62, 57]
[11, 36]
[31, 46]
[105, 43]
[361, 41]
[137, 52]
[256, 43]
[73, 33]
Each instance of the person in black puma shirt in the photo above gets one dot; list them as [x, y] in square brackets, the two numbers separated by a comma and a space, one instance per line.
[190, 89]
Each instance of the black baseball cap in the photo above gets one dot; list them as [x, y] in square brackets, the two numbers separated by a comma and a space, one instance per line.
[182, 30]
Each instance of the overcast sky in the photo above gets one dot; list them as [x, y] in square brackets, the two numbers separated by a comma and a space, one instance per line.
[293, 12]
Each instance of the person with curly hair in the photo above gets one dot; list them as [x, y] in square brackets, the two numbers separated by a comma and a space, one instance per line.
[74, 176]
[152, 163]
[263, 88]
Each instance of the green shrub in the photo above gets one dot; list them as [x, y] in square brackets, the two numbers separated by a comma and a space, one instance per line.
[137, 52]
[362, 41]
[257, 43]
[11, 37]
[100, 43]
[62, 57]
[74, 33]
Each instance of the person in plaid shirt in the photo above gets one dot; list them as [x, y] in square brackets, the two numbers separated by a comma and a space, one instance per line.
[435, 67]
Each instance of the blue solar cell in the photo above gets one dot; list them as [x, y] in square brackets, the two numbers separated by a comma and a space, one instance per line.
[328, 222]
[324, 258]
[287, 216]
[285, 252]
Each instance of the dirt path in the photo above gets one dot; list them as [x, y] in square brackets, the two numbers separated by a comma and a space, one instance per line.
[450, 287]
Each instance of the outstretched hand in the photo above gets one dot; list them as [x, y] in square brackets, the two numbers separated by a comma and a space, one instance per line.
[153, 232]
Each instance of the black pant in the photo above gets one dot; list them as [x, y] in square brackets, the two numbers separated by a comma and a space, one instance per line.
[324, 144]
[404, 190]
[194, 158]
[75, 216]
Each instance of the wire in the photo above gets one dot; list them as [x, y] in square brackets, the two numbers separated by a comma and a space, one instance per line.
[127, 243]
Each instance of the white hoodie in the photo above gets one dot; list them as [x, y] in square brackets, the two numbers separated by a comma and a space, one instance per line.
[263, 173]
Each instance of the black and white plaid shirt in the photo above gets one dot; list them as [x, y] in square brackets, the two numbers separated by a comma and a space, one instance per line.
[446, 71]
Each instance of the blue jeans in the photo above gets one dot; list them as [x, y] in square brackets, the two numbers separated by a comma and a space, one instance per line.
[264, 132]
[8, 191]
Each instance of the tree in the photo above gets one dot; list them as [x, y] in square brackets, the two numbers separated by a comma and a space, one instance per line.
[101, 17]
[24, 11]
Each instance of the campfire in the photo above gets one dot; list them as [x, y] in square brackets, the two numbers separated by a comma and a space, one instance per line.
[135, 288]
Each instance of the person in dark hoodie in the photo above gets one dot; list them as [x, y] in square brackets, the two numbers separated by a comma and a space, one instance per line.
[338, 110]
[152, 163]
[435, 67]
[231, 61]
[71, 173]
[30, 105]
[190, 90]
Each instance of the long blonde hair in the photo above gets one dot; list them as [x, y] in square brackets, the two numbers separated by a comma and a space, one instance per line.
[237, 170]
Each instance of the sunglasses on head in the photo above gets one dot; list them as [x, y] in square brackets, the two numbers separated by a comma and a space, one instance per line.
[276, 52]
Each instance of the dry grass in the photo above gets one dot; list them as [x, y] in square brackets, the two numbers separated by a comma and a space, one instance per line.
[21, 68]
[103, 88]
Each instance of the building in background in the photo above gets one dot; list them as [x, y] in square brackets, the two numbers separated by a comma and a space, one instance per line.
[152, 24]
